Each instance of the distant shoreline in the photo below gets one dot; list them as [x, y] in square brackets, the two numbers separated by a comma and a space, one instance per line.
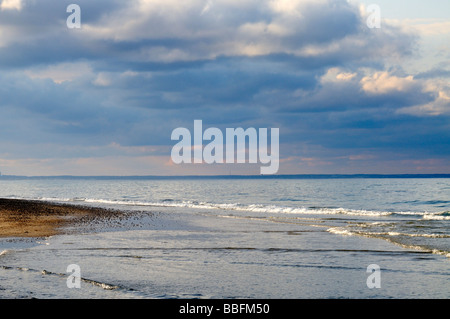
[187, 177]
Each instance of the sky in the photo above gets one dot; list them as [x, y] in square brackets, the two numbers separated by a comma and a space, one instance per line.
[104, 99]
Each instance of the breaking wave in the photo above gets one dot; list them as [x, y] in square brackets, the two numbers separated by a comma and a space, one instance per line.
[256, 208]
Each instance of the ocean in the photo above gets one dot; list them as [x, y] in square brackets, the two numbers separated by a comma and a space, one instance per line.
[237, 237]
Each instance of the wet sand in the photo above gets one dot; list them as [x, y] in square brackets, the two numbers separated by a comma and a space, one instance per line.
[28, 218]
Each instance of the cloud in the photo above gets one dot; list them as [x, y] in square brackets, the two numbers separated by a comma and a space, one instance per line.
[11, 5]
[439, 106]
[136, 70]
[383, 82]
[170, 32]
[60, 72]
[336, 74]
[426, 27]
[102, 79]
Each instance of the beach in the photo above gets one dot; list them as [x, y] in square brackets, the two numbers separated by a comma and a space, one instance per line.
[247, 239]
[28, 218]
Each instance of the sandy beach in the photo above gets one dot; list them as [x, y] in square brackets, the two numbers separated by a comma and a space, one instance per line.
[28, 218]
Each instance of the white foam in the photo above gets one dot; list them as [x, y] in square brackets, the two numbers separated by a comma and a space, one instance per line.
[344, 231]
[435, 217]
[257, 208]
[4, 252]
[340, 231]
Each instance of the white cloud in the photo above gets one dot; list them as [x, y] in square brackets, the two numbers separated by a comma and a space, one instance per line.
[207, 7]
[291, 7]
[11, 5]
[206, 29]
[383, 82]
[337, 75]
[426, 27]
[60, 72]
[102, 79]
[440, 106]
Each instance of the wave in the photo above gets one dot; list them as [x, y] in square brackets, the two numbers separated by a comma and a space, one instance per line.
[396, 238]
[4, 252]
[43, 272]
[343, 231]
[437, 216]
[256, 208]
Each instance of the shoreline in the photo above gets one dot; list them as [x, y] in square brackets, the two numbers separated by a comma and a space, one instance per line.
[180, 254]
[33, 218]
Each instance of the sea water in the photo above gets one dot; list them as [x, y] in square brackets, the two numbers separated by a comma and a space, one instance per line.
[237, 238]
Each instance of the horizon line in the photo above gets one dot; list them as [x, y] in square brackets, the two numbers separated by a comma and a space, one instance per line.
[274, 176]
